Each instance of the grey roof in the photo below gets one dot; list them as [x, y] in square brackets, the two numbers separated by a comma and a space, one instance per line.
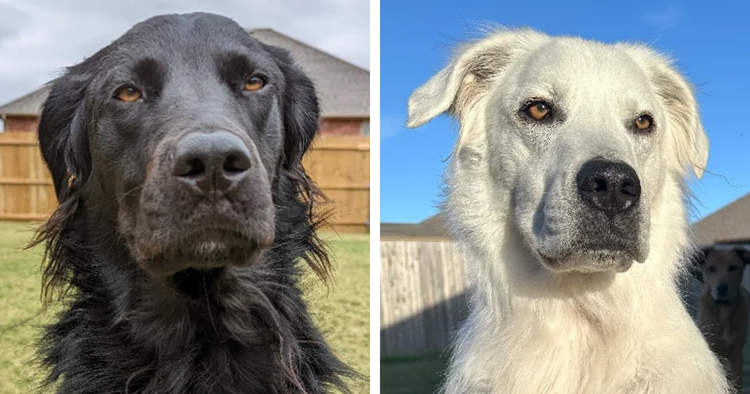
[432, 227]
[343, 88]
[728, 224]
[27, 105]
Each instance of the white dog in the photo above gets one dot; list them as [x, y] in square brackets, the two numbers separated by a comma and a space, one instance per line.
[568, 169]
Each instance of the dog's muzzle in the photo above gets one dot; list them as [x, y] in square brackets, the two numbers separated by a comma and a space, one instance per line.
[208, 204]
[608, 222]
[609, 187]
[211, 162]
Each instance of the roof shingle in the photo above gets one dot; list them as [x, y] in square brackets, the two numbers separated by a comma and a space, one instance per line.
[729, 224]
[343, 88]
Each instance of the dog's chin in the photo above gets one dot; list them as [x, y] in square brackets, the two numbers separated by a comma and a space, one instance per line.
[587, 261]
[204, 251]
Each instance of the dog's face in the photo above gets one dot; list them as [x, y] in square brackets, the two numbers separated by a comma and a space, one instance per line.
[575, 139]
[585, 173]
[183, 124]
[722, 272]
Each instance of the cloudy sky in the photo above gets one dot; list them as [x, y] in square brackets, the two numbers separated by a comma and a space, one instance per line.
[39, 38]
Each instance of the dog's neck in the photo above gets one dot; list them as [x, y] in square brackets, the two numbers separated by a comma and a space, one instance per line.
[254, 316]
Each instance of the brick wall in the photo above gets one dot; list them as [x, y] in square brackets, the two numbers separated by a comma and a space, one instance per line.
[339, 126]
[327, 126]
[21, 123]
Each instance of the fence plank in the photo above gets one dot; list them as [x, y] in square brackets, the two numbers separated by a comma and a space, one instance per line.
[422, 295]
[340, 165]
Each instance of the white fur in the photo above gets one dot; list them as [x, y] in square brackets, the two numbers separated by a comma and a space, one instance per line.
[533, 329]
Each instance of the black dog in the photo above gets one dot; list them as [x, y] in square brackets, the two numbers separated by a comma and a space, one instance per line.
[175, 153]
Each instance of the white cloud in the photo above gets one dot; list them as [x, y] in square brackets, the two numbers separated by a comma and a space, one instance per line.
[39, 38]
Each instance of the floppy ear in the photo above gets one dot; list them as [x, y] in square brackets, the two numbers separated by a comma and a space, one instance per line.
[62, 134]
[743, 253]
[702, 256]
[688, 144]
[301, 114]
[459, 84]
[64, 144]
[300, 106]
[695, 268]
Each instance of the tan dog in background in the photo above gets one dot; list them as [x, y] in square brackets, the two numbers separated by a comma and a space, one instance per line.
[723, 307]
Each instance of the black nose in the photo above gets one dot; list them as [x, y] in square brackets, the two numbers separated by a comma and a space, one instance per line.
[722, 290]
[609, 186]
[211, 161]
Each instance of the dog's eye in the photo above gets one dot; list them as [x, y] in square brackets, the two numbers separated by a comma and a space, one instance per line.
[643, 122]
[537, 110]
[254, 83]
[128, 93]
[712, 269]
[732, 268]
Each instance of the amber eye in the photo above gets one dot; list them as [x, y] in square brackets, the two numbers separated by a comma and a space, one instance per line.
[538, 110]
[254, 83]
[643, 122]
[128, 94]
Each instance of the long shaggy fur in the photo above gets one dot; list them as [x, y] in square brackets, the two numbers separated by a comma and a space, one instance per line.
[222, 330]
[532, 329]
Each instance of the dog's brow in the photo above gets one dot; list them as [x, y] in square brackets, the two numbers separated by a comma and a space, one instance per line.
[150, 72]
[233, 65]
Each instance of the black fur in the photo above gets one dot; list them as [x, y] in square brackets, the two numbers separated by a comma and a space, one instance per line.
[228, 329]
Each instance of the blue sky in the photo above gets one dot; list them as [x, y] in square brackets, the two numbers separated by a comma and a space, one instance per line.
[709, 42]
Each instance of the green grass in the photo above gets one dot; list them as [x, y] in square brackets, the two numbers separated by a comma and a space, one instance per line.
[20, 315]
[423, 374]
[413, 375]
[341, 312]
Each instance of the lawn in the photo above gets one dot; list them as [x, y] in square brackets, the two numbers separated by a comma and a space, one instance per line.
[342, 311]
[423, 374]
[412, 375]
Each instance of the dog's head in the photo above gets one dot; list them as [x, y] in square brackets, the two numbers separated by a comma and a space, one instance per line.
[573, 138]
[722, 272]
[178, 133]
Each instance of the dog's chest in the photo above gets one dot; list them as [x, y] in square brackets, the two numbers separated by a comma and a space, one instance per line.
[577, 355]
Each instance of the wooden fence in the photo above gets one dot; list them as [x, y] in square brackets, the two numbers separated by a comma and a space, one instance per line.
[422, 296]
[26, 191]
[341, 167]
[339, 164]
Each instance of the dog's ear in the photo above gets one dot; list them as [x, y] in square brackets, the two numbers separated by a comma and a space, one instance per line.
[63, 140]
[456, 86]
[62, 133]
[702, 255]
[687, 141]
[698, 260]
[743, 253]
[301, 115]
[301, 112]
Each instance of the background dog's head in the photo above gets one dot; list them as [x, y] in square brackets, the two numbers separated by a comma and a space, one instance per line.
[571, 139]
[722, 272]
[181, 135]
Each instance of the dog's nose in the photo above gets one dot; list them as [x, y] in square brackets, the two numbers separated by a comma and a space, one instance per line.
[211, 161]
[609, 186]
[722, 290]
